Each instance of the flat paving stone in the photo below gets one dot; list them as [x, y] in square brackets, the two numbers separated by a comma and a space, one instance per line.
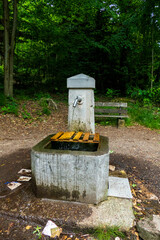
[112, 212]
[119, 187]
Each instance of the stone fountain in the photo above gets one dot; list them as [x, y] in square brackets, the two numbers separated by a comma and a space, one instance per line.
[73, 166]
[81, 103]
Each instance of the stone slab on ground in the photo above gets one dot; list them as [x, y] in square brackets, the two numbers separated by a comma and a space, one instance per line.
[119, 187]
[149, 228]
[112, 212]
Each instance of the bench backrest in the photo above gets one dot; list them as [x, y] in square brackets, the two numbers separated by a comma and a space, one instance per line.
[119, 108]
[111, 104]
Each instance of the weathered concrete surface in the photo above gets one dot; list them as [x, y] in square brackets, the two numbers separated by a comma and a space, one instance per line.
[80, 176]
[81, 117]
[112, 212]
[119, 187]
[149, 228]
[81, 81]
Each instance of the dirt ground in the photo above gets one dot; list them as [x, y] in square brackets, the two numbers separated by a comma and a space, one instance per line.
[134, 149]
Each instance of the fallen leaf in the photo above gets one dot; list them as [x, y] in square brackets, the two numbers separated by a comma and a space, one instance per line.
[133, 192]
[64, 237]
[28, 227]
[138, 208]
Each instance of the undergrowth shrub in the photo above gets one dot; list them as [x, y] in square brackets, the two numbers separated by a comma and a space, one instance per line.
[146, 96]
[43, 102]
[8, 105]
[41, 95]
[3, 99]
[25, 114]
[146, 116]
[111, 93]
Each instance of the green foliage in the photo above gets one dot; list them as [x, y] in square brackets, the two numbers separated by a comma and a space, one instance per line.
[128, 122]
[108, 232]
[111, 93]
[107, 121]
[40, 95]
[112, 41]
[25, 114]
[3, 99]
[43, 102]
[146, 116]
[145, 96]
[46, 111]
[1, 76]
[8, 105]
[38, 232]
[134, 185]
[23, 94]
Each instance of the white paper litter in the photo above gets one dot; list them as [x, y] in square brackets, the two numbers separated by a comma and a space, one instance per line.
[49, 227]
[24, 179]
[23, 170]
[13, 185]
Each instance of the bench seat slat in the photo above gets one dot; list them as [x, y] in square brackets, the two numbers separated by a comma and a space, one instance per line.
[110, 104]
[116, 116]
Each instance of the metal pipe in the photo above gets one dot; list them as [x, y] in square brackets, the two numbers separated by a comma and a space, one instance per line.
[77, 100]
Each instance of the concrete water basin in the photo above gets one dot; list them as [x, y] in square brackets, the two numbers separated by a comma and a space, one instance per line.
[71, 171]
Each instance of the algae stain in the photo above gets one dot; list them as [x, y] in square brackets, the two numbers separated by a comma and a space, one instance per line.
[84, 194]
[75, 194]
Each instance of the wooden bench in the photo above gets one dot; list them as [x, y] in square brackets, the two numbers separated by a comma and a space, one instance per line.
[111, 110]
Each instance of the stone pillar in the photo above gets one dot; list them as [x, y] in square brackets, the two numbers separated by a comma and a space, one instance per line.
[81, 103]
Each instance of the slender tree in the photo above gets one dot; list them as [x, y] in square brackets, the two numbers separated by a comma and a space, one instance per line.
[9, 43]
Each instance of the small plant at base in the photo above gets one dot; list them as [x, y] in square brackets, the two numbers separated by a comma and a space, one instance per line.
[43, 102]
[25, 113]
[37, 232]
[107, 232]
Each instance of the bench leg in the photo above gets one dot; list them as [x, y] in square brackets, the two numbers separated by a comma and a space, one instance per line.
[121, 123]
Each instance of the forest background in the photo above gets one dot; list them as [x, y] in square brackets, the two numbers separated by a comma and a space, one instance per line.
[117, 42]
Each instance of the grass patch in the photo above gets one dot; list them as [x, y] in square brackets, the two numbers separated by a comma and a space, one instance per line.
[108, 233]
[146, 116]
[107, 121]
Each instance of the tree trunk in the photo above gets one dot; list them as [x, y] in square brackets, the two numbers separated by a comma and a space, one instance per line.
[9, 42]
[152, 64]
[6, 47]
